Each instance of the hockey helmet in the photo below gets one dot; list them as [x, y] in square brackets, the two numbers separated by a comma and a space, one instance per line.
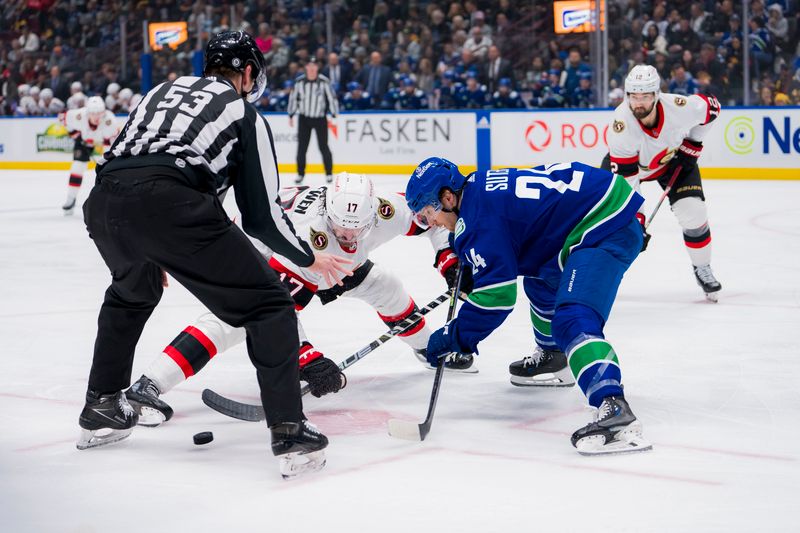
[35, 90]
[427, 181]
[95, 105]
[350, 207]
[353, 86]
[643, 79]
[113, 88]
[125, 95]
[75, 87]
[24, 89]
[235, 50]
[46, 94]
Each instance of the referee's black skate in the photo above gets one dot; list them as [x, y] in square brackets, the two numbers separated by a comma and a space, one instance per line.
[616, 430]
[705, 278]
[543, 368]
[144, 398]
[455, 362]
[105, 419]
[300, 447]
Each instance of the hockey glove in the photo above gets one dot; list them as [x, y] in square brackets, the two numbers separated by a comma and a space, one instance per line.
[685, 158]
[645, 236]
[442, 343]
[447, 265]
[323, 377]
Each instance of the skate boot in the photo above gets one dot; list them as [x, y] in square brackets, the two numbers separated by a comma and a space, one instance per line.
[544, 368]
[455, 362]
[143, 397]
[69, 206]
[616, 430]
[299, 179]
[300, 447]
[329, 178]
[105, 419]
[705, 278]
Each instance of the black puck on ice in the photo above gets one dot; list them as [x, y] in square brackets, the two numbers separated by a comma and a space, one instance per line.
[203, 438]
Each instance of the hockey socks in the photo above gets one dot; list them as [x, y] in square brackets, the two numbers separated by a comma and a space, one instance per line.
[595, 365]
[185, 356]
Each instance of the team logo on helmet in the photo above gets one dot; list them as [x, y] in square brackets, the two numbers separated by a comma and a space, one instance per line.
[319, 240]
[618, 126]
[385, 209]
[680, 101]
[421, 170]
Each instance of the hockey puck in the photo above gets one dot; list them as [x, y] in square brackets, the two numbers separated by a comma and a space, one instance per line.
[203, 438]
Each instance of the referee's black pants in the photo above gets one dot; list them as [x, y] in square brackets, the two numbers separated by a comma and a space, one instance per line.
[143, 221]
[304, 127]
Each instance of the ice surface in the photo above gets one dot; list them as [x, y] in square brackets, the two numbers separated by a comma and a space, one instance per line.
[716, 387]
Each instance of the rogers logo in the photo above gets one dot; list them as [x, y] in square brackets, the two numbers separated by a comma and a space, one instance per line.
[538, 136]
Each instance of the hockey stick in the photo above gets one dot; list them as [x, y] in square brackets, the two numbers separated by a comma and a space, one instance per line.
[403, 429]
[255, 413]
[663, 196]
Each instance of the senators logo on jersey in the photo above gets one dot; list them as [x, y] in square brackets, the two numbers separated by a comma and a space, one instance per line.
[319, 240]
[385, 209]
[618, 126]
[680, 101]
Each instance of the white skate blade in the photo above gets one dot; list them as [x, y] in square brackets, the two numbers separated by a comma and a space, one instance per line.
[296, 464]
[628, 440]
[562, 378]
[403, 429]
[150, 417]
[92, 438]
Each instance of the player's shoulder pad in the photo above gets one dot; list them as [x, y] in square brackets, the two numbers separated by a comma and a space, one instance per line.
[385, 208]
[706, 107]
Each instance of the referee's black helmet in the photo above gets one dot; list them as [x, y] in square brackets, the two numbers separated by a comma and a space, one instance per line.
[235, 50]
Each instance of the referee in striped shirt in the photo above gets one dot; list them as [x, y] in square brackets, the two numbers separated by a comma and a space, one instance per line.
[312, 99]
[156, 208]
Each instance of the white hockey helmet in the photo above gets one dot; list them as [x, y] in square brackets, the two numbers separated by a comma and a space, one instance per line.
[113, 88]
[24, 89]
[125, 95]
[643, 79]
[75, 87]
[350, 206]
[95, 104]
[46, 94]
[35, 90]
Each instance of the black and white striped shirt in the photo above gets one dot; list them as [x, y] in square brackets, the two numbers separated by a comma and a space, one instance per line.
[313, 99]
[205, 128]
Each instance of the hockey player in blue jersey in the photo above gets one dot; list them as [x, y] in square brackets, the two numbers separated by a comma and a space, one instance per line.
[356, 99]
[570, 230]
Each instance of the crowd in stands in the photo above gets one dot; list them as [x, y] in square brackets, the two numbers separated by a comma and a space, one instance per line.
[398, 54]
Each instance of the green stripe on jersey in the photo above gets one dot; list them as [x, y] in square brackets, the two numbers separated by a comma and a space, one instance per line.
[495, 297]
[540, 324]
[615, 199]
[589, 352]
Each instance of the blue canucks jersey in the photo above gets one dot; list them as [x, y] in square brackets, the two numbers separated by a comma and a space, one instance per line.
[351, 103]
[513, 222]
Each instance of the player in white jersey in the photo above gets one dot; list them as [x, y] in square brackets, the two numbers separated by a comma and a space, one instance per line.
[77, 98]
[652, 137]
[94, 128]
[346, 219]
[49, 104]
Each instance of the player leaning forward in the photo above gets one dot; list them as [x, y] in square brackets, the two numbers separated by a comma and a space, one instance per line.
[93, 128]
[571, 231]
[345, 219]
[156, 208]
[655, 135]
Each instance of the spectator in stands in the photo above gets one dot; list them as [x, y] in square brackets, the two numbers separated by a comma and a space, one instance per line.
[478, 43]
[701, 22]
[682, 38]
[426, 76]
[760, 45]
[682, 82]
[375, 77]
[264, 38]
[28, 41]
[570, 76]
[765, 96]
[653, 42]
[778, 27]
[58, 84]
[583, 94]
[552, 92]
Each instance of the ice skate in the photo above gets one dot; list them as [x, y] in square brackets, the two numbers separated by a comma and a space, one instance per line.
[328, 179]
[299, 447]
[299, 179]
[705, 278]
[105, 419]
[616, 430]
[69, 206]
[455, 362]
[144, 398]
[543, 368]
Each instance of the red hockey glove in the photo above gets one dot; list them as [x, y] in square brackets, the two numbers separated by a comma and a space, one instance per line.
[447, 265]
[645, 236]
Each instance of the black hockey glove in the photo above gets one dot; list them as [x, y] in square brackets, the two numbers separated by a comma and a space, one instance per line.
[447, 265]
[323, 376]
[685, 158]
[82, 150]
[645, 236]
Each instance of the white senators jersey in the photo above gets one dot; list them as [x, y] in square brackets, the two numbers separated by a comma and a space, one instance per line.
[77, 122]
[306, 209]
[635, 149]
